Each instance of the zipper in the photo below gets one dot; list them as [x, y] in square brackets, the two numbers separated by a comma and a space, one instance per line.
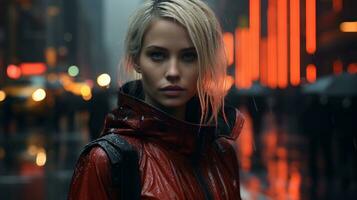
[201, 181]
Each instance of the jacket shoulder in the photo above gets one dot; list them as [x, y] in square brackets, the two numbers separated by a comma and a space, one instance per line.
[238, 124]
[92, 177]
[230, 124]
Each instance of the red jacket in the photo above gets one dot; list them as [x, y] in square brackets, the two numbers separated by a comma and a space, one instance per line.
[175, 161]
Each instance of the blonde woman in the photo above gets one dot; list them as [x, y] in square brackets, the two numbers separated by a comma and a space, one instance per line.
[171, 136]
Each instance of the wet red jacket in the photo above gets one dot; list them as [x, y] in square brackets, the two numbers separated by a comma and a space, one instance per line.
[177, 159]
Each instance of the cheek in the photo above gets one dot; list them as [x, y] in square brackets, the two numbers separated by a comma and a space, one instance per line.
[149, 78]
[192, 79]
[148, 72]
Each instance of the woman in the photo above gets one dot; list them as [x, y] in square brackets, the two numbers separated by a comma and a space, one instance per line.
[172, 116]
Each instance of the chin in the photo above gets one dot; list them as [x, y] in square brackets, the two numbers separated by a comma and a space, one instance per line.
[173, 103]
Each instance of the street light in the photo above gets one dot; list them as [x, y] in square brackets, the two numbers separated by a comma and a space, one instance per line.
[39, 95]
[103, 80]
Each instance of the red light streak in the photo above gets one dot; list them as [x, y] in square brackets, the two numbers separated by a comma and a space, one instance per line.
[243, 74]
[352, 68]
[337, 5]
[282, 43]
[33, 68]
[311, 73]
[263, 61]
[295, 42]
[254, 31]
[272, 45]
[246, 141]
[311, 26]
[294, 182]
[238, 56]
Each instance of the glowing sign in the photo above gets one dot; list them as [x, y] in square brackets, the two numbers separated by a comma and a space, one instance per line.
[28, 69]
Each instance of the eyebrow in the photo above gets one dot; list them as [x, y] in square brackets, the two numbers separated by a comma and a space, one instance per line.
[164, 49]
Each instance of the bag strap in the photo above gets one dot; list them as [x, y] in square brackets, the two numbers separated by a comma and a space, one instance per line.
[124, 161]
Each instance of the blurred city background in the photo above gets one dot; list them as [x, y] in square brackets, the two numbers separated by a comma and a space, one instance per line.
[292, 72]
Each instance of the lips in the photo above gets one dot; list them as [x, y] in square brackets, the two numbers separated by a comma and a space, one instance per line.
[172, 90]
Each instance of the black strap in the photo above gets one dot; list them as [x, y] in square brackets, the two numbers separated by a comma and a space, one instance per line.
[124, 161]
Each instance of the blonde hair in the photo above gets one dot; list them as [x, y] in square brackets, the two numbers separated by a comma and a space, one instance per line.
[205, 33]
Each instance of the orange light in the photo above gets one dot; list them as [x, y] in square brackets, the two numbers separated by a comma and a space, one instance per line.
[295, 42]
[337, 5]
[272, 45]
[246, 141]
[348, 27]
[254, 31]
[243, 75]
[13, 71]
[51, 56]
[246, 59]
[238, 56]
[352, 68]
[2, 96]
[294, 182]
[263, 62]
[310, 26]
[229, 47]
[282, 173]
[311, 73]
[28, 69]
[41, 157]
[282, 43]
[337, 67]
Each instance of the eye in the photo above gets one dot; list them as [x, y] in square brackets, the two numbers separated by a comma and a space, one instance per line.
[156, 56]
[189, 56]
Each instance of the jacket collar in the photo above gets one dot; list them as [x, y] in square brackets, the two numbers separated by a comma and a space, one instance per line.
[135, 118]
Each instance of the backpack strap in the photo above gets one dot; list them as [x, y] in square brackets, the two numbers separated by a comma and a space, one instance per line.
[124, 161]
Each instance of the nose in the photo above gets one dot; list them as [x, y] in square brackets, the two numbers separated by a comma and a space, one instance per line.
[173, 72]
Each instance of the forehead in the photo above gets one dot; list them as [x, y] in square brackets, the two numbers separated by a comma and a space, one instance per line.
[168, 34]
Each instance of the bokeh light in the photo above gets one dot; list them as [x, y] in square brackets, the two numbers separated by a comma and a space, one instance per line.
[73, 71]
[103, 80]
[85, 90]
[348, 26]
[87, 97]
[39, 95]
[32, 150]
[13, 72]
[41, 158]
[2, 95]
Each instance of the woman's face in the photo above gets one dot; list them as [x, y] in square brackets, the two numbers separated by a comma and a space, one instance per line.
[168, 64]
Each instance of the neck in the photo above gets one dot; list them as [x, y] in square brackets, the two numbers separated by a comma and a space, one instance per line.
[177, 112]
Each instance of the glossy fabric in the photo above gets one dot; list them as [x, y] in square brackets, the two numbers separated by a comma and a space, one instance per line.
[174, 156]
